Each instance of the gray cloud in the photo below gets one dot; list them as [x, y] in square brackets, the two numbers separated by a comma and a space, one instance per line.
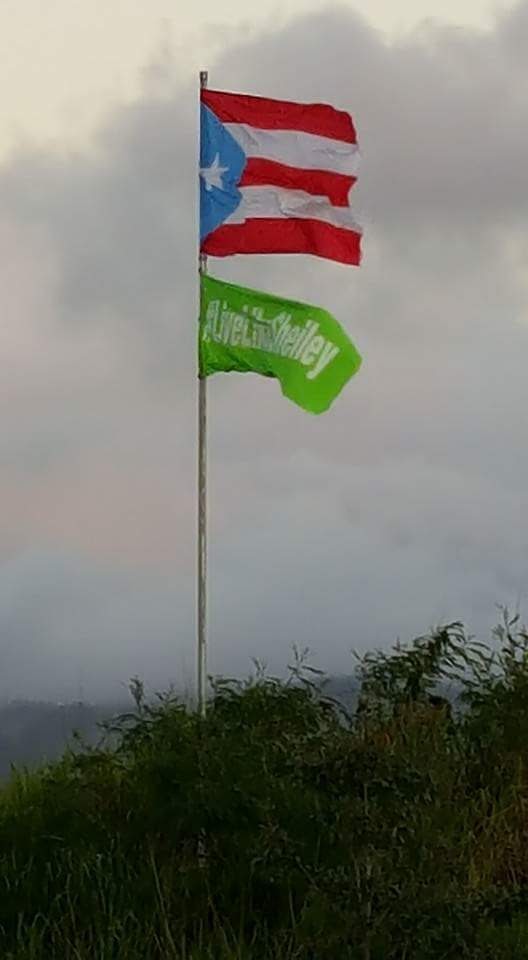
[401, 507]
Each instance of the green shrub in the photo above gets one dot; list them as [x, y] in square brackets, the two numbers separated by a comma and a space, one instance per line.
[282, 826]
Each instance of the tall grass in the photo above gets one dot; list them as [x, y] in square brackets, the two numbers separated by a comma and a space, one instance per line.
[282, 826]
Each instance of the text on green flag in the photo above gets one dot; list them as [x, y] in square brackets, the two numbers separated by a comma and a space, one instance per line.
[302, 346]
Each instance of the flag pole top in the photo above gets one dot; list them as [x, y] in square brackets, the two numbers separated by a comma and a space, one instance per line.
[204, 77]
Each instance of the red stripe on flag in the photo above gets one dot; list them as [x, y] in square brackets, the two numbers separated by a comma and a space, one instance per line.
[285, 236]
[317, 118]
[319, 183]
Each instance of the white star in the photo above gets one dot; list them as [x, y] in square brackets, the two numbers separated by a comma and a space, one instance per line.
[213, 174]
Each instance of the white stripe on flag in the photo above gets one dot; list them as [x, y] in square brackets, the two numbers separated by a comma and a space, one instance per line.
[304, 150]
[273, 203]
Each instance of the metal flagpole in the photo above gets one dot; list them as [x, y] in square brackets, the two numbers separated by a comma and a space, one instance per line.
[202, 508]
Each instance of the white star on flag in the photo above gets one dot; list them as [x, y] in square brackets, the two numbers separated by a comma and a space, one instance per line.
[213, 175]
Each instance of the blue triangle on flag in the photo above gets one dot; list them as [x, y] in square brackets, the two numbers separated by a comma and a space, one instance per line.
[222, 162]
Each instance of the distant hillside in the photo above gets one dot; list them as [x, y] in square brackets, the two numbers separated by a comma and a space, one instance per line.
[344, 689]
[32, 732]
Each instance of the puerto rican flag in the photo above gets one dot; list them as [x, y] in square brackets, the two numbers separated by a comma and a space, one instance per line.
[276, 177]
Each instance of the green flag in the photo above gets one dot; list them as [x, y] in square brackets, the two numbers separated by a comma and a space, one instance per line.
[302, 346]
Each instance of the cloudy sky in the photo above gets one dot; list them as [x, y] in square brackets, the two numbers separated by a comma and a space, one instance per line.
[401, 508]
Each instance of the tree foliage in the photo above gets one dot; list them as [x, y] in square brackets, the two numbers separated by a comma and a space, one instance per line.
[283, 826]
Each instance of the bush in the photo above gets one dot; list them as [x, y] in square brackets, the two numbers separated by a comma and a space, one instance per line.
[282, 826]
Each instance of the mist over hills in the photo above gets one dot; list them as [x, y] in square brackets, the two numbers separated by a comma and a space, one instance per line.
[33, 731]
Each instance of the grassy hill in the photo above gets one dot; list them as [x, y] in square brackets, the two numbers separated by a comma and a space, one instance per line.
[283, 826]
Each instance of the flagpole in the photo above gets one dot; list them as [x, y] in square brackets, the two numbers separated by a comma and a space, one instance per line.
[202, 508]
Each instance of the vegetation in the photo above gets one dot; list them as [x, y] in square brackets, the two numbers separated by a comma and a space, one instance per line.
[282, 826]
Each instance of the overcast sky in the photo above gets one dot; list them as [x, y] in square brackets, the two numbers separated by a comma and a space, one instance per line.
[402, 507]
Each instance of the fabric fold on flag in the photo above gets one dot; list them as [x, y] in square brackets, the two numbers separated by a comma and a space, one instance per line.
[289, 170]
